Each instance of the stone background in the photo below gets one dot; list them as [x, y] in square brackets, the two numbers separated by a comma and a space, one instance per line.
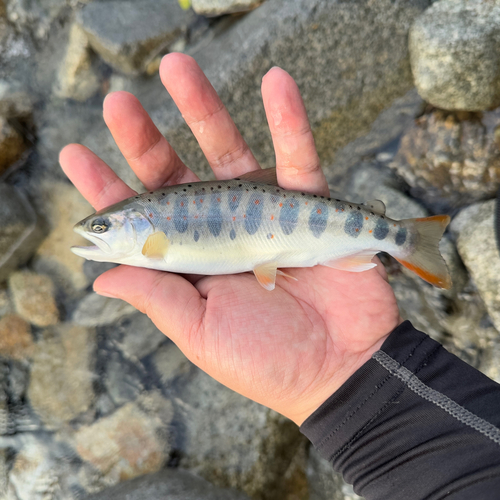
[94, 400]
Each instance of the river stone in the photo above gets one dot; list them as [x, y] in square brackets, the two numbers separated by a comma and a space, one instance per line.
[33, 297]
[15, 101]
[77, 78]
[12, 145]
[64, 206]
[451, 159]
[62, 374]
[16, 341]
[97, 310]
[363, 45]
[219, 7]
[455, 54]
[234, 442]
[132, 441]
[171, 484]
[128, 34]
[474, 231]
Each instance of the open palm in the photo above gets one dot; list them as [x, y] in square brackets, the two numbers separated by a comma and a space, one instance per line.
[288, 349]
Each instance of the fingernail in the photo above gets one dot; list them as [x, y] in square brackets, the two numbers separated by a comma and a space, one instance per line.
[105, 294]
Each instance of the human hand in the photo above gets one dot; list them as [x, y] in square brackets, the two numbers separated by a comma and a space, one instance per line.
[288, 349]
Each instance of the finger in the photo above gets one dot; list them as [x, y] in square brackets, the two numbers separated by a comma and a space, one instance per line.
[172, 303]
[297, 162]
[99, 185]
[147, 152]
[226, 151]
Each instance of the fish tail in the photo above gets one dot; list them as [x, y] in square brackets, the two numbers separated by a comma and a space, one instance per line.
[426, 260]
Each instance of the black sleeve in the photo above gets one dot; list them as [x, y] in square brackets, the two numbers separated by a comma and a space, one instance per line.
[414, 422]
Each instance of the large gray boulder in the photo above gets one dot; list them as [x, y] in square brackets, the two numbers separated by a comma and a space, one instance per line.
[455, 54]
[350, 61]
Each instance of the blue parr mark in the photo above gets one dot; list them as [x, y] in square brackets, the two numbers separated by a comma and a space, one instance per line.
[232, 234]
[289, 215]
[196, 236]
[401, 236]
[214, 217]
[254, 213]
[354, 224]
[234, 199]
[318, 219]
[381, 229]
[181, 214]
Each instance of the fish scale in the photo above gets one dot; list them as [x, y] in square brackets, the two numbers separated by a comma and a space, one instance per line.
[225, 227]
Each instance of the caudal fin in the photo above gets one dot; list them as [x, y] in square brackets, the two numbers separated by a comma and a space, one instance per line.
[426, 261]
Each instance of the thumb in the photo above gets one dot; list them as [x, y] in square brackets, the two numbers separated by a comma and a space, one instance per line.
[174, 305]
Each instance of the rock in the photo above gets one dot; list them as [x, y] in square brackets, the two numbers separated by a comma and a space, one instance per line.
[135, 336]
[234, 442]
[371, 181]
[96, 310]
[446, 43]
[5, 303]
[62, 374]
[473, 229]
[93, 269]
[11, 145]
[128, 34]
[451, 159]
[15, 337]
[174, 484]
[219, 7]
[15, 101]
[33, 297]
[134, 440]
[170, 363]
[77, 79]
[20, 231]
[363, 45]
[64, 206]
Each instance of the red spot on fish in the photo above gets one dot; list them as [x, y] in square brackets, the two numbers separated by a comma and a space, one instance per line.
[150, 216]
[184, 217]
[168, 218]
[370, 231]
[168, 203]
[244, 216]
[201, 200]
[257, 202]
[234, 199]
[272, 217]
[394, 225]
[234, 218]
[307, 203]
[318, 211]
[336, 210]
[366, 218]
[291, 205]
[195, 216]
[218, 199]
[281, 204]
[194, 202]
[272, 236]
[357, 229]
[182, 203]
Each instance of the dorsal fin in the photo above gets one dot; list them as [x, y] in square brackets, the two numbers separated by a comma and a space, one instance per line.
[376, 206]
[262, 176]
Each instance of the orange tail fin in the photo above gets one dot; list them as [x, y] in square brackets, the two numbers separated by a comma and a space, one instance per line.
[426, 261]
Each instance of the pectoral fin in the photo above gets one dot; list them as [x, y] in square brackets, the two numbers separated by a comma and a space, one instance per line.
[356, 263]
[266, 275]
[156, 246]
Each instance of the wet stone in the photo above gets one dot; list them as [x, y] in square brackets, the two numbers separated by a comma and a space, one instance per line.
[12, 145]
[33, 297]
[211, 8]
[96, 310]
[16, 341]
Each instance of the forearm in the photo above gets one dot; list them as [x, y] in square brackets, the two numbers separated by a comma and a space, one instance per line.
[414, 422]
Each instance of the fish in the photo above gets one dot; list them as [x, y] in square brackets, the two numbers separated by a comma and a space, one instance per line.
[251, 224]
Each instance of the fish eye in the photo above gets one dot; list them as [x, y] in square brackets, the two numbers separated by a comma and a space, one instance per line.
[99, 226]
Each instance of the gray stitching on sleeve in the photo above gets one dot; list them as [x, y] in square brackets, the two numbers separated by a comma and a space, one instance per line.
[445, 403]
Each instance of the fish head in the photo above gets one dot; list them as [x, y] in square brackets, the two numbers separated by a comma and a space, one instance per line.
[115, 234]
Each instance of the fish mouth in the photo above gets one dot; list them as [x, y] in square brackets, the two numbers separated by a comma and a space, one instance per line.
[99, 251]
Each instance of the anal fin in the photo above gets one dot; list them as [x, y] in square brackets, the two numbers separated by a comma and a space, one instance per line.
[156, 246]
[356, 263]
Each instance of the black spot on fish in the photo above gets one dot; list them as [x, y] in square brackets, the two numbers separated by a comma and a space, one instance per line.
[180, 214]
[254, 213]
[196, 236]
[318, 219]
[381, 229]
[214, 217]
[401, 236]
[232, 234]
[289, 215]
[354, 224]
